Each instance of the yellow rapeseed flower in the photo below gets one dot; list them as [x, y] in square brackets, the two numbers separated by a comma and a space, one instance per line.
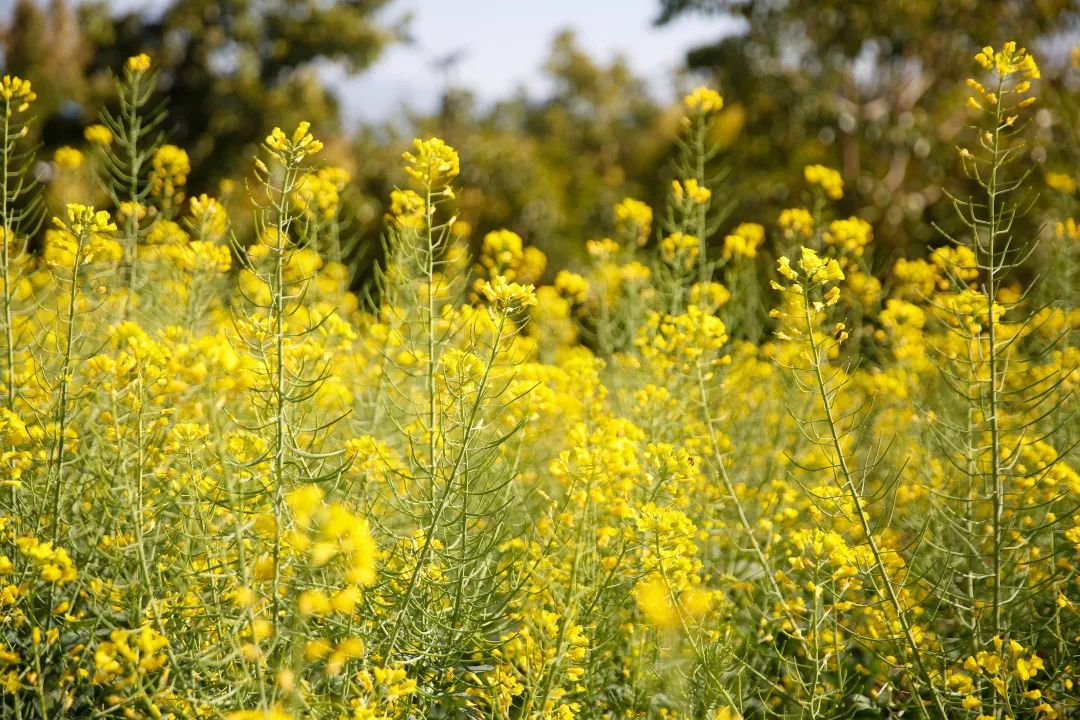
[1010, 60]
[704, 100]
[16, 93]
[829, 180]
[433, 165]
[81, 219]
[138, 64]
[506, 296]
[68, 158]
[98, 135]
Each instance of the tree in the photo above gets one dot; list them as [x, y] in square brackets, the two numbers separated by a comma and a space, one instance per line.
[550, 168]
[230, 68]
[875, 89]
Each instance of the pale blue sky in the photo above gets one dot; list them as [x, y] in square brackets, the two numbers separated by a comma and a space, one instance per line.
[505, 42]
[502, 46]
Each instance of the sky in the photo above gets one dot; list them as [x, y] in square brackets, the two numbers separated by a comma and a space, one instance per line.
[502, 45]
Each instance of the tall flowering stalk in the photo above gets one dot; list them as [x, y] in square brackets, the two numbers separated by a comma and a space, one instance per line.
[812, 285]
[128, 140]
[19, 210]
[1001, 361]
[445, 388]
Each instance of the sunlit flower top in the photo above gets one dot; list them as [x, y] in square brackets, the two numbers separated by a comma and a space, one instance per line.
[743, 241]
[704, 100]
[98, 135]
[506, 296]
[83, 219]
[1010, 60]
[829, 180]
[690, 189]
[294, 149]
[138, 63]
[634, 218]
[16, 94]
[433, 164]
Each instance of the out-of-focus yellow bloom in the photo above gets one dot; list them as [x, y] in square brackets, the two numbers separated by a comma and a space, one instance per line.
[828, 179]
[16, 93]
[139, 64]
[98, 135]
[680, 248]
[275, 713]
[208, 217]
[634, 218]
[169, 169]
[690, 189]
[849, 236]
[743, 241]
[703, 100]
[68, 158]
[407, 209]
[796, 223]
[316, 195]
[572, 286]
[654, 602]
[1062, 182]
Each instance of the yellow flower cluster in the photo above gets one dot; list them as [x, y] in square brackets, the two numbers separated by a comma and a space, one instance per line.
[53, 563]
[507, 297]
[680, 249]
[849, 236]
[318, 193]
[127, 652]
[1014, 69]
[743, 241]
[1061, 182]
[432, 165]
[690, 190]
[68, 158]
[84, 220]
[138, 64]
[169, 170]
[293, 149]
[489, 489]
[704, 101]
[572, 286]
[828, 179]
[687, 342]
[1010, 60]
[502, 252]
[796, 223]
[16, 93]
[98, 135]
[208, 217]
[634, 220]
[812, 269]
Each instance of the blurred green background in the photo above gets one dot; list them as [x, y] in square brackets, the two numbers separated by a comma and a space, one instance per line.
[554, 126]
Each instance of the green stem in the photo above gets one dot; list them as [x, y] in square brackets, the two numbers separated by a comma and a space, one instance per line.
[864, 521]
[58, 453]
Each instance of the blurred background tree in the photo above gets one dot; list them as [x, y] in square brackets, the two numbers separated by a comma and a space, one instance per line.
[551, 167]
[229, 68]
[872, 88]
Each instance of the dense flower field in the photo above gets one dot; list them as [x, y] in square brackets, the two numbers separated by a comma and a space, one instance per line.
[235, 486]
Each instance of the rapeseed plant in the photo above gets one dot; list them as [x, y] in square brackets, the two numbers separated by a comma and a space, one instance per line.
[234, 486]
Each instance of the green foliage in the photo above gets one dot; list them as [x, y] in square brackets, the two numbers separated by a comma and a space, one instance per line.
[869, 88]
